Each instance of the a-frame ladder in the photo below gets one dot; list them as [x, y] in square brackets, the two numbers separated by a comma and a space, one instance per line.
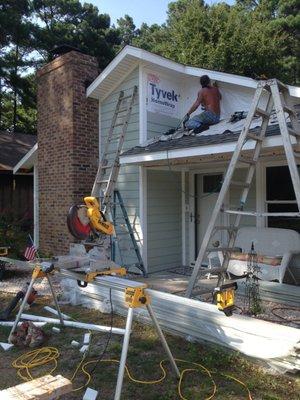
[109, 166]
[277, 96]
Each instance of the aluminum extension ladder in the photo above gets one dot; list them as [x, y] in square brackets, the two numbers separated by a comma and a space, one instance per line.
[109, 166]
[279, 98]
[127, 231]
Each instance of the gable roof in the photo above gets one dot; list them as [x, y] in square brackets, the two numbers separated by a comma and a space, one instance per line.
[13, 146]
[130, 57]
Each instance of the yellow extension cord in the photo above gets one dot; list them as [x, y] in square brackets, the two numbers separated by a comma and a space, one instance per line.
[45, 355]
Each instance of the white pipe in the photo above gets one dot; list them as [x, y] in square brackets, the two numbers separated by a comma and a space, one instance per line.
[10, 323]
[53, 311]
[74, 324]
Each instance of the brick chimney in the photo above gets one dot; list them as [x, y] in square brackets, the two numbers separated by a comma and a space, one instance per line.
[67, 144]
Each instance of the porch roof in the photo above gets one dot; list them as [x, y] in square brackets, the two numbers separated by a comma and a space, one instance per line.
[189, 146]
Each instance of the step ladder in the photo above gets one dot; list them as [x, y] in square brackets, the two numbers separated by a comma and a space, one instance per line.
[278, 97]
[109, 166]
[124, 232]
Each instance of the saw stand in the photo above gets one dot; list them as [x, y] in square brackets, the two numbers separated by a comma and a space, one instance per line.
[136, 297]
[40, 271]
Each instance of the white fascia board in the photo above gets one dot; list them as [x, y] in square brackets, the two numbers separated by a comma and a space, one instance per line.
[28, 160]
[273, 141]
[155, 59]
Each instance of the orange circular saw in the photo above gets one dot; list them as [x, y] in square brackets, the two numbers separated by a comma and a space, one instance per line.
[84, 219]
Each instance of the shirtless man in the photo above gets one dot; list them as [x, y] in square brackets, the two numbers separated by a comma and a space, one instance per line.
[209, 97]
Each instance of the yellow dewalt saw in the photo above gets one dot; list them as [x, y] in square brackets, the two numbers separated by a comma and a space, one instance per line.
[87, 218]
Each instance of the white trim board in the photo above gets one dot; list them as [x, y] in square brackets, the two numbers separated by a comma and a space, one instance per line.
[212, 149]
[130, 55]
[28, 160]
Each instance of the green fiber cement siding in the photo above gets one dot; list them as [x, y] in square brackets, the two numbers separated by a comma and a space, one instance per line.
[164, 219]
[128, 180]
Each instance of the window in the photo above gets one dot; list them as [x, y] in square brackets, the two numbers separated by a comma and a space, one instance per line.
[212, 183]
[281, 198]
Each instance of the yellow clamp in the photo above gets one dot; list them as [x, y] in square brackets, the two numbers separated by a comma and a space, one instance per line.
[225, 298]
[89, 277]
[136, 297]
[112, 271]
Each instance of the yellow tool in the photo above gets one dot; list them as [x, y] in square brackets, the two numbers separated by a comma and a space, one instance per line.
[225, 297]
[90, 276]
[96, 216]
[136, 297]
[4, 251]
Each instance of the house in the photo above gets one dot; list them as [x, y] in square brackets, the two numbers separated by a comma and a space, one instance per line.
[169, 187]
[16, 191]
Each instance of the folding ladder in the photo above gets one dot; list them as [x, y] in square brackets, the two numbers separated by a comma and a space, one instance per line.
[279, 98]
[109, 166]
[124, 232]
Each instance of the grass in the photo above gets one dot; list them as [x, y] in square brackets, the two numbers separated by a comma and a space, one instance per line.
[145, 352]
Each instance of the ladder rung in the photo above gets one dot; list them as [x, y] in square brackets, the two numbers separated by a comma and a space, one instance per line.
[122, 110]
[226, 228]
[225, 249]
[247, 161]
[126, 97]
[119, 124]
[240, 183]
[262, 113]
[254, 137]
[289, 110]
[293, 132]
[103, 181]
[212, 270]
[296, 154]
[263, 214]
[106, 166]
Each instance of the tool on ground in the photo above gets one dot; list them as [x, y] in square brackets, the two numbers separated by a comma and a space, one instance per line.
[4, 316]
[225, 297]
[270, 93]
[43, 270]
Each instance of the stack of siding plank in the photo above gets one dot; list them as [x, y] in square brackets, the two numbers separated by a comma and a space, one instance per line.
[277, 344]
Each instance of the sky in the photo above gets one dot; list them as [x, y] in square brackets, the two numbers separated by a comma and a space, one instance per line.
[149, 11]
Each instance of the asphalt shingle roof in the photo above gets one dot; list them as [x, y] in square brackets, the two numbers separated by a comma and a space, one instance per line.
[13, 147]
[195, 141]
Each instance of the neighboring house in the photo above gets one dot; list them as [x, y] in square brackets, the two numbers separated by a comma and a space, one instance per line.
[16, 191]
[169, 187]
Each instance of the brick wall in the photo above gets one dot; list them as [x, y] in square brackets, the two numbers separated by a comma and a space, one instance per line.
[68, 144]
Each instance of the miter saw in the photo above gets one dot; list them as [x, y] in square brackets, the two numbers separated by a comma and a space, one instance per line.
[86, 219]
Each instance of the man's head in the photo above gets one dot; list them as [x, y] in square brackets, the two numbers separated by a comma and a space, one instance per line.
[204, 81]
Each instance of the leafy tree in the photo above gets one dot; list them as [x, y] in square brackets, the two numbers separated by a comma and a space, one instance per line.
[29, 30]
[16, 47]
[248, 38]
[81, 26]
[127, 29]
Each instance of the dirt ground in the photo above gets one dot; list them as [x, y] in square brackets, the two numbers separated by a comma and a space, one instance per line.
[144, 356]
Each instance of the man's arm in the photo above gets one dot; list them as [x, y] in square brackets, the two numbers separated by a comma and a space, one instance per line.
[196, 103]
